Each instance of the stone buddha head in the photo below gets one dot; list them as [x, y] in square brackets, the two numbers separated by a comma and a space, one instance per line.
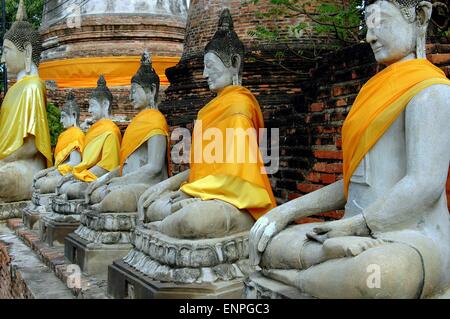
[396, 29]
[70, 113]
[100, 101]
[144, 85]
[22, 45]
[224, 56]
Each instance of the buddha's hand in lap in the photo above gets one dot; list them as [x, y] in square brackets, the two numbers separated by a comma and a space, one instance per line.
[354, 226]
[42, 174]
[263, 231]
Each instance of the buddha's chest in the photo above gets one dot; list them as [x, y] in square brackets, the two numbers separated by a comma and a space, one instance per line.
[136, 160]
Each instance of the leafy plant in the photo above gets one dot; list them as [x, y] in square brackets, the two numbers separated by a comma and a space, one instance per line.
[54, 124]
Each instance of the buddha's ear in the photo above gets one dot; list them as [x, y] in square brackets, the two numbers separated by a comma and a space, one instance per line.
[153, 90]
[28, 56]
[236, 61]
[105, 106]
[423, 11]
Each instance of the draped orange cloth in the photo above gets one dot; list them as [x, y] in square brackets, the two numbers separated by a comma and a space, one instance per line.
[381, 100]
[242, 183]
[24, 113]
[144, 126]
[102, 149]
[68, 141]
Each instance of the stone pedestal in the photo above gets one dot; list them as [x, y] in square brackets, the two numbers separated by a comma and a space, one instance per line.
[12, 210]
[124, 282]
[39, 206]
[160, 266]
[100, 239]
[53, 228]
[259, 287]
[63, 219]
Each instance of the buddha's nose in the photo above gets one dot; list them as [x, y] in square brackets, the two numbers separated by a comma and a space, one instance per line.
[370, 36]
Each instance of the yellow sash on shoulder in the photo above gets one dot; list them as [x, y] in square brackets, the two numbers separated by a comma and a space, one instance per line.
[381, 100]
[102, 149]
[144, 126]
[68, 141]
[24, 113]
[243, 184]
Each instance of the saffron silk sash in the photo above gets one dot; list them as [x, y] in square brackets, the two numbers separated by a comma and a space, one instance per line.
[243, 184]
[145, 125]
[24, 113]
[68, 141]
[102, 150]
[381, 100]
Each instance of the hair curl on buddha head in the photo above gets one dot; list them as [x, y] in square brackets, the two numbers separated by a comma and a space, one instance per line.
[146, 76]
[22, 32]
[71, 106]
[225, 42]
[408, 8]
[102, 92]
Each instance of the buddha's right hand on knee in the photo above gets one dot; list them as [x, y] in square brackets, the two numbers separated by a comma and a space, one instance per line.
[65, 179]
[42, 174]
[263, 231]
[149, 197]
[96, 185]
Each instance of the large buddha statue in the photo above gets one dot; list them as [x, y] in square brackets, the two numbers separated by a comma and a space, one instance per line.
[24, 134]
[100, 156]
[67, 154]
[202, 216]
[393, 241]
[111, 201]
[69, 148]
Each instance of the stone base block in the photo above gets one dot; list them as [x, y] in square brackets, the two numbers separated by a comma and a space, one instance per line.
[126, 283]
[93, 258]
[12, 210]
[53, 229]
[259, 287]
[31, 218]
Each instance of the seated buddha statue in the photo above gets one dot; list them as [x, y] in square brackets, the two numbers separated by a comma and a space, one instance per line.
[102, 145]
[143, 152]
[24, 134]
[202, 216]
[393, 241]
[69, 148]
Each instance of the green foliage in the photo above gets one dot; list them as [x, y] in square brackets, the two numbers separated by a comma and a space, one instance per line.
[54, 124]
[34, 11]
[336, 20]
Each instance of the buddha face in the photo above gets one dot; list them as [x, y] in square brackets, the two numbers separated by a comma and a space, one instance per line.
[140, 97]
[216, 73]
[68, 120]
[13, 57]
[98, 108]
[390, 35]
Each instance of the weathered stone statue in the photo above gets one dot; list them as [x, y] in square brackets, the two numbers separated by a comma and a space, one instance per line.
[24, 134]
[194, 226]
[111, 201]
[100, 156]
[67, 155]
[393, 241]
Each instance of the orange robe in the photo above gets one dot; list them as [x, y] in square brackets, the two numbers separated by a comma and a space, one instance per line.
[242, 183]
[381, 100]
[68, 141]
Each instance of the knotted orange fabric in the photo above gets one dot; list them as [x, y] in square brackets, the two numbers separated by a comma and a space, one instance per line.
[102, 150]
[234, 171]
[23, 113]
[144, 126]
[68, 141]
[381, 100]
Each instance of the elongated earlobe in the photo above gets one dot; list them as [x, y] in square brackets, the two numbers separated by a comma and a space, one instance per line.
[28, 57]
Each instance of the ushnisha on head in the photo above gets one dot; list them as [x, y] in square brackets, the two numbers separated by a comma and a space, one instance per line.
[100, 101]
[70, 112]
[224, 56]
[22, 45]
[145, 84]
[396, 29]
